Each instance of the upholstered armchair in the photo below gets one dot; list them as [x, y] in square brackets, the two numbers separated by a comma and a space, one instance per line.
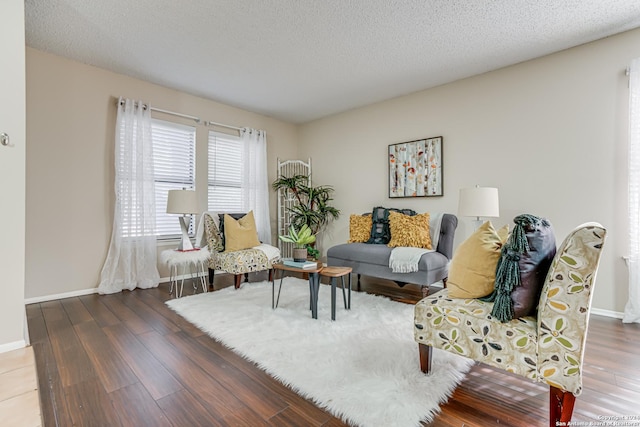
[548, 348]
[237, 262]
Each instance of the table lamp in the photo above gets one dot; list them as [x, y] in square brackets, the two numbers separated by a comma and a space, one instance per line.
[479, 202]
[183, 202]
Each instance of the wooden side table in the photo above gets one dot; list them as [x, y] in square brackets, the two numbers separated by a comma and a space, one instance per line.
[314, 285]
[188, 263]
[334, 273]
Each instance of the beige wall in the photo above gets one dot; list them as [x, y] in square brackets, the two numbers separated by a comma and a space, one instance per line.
[12, 176]
[550, 133]
[70, 198]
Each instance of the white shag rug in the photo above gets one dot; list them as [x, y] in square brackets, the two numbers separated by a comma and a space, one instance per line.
[363, 367]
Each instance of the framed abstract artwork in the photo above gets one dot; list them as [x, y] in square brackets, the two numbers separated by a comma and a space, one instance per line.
[415, 168]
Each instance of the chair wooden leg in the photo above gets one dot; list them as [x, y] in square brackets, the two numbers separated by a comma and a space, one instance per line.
[211, 275]
[560, 406]
[425, 290]
[425, 357]
[358, 282]
[444, 282]
[237, 280]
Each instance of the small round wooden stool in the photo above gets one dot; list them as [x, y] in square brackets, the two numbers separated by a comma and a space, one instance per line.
[334, 273]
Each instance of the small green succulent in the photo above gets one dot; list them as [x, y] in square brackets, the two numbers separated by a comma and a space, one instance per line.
[299, 238]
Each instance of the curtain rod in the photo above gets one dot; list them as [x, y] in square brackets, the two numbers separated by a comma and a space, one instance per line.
[186, 116]
[159, 110]
[209, 123]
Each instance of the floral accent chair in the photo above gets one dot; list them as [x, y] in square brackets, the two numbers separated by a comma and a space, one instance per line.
[240, 262]
[549, 348]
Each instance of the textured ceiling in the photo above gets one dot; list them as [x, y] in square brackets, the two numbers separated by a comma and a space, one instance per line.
[299, 60]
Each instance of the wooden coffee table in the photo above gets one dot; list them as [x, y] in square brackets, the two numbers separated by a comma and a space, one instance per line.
[314, 285]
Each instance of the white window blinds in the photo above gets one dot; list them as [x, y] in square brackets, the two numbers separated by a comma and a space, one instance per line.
[174, 169]
[225, 192]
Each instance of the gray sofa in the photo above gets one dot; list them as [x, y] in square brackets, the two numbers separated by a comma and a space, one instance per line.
[373, 260]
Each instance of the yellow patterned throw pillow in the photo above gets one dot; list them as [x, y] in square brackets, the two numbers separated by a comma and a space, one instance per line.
[359, 228]
[240, 234]
[412, 231]
[472, 273]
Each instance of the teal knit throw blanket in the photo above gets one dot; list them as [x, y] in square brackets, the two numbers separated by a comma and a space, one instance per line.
[508, 268]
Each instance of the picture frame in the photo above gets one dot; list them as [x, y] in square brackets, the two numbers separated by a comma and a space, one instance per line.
[415, 168]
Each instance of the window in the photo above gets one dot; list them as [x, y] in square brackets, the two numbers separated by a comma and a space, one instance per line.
[174, 169]
[225, 192]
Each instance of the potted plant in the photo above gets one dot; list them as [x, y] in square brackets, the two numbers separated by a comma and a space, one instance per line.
[301, 239]
[312, 205]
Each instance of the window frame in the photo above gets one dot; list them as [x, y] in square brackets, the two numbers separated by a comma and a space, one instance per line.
[174, 175]
[222, 181]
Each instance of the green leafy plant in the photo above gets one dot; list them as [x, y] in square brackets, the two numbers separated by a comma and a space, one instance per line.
[313, 207]
[313, 252]
[301, 239]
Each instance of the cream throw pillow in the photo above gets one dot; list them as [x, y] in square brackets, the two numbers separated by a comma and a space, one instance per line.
[240, 234]
[472, 272]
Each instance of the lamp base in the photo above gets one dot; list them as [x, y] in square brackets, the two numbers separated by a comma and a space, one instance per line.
[185, 243]
[477, 223]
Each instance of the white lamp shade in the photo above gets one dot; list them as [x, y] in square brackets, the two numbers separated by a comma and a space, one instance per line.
[182, 202]
[479, 202]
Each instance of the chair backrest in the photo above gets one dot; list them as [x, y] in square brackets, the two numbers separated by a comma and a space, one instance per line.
[448, 227]
[212, 234]
[565, 304]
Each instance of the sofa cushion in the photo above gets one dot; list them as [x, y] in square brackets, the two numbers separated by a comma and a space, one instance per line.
[240, 262]
[361, 252]
[380, 232]
[522, 268]
[364, 253]
[240, 234]
[472, 273]
[467, 328]
[410, 231]
[359, 228]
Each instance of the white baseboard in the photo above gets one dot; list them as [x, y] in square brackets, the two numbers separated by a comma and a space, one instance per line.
[82, 292]
[10, 346]
[607, 313]
[63, 295]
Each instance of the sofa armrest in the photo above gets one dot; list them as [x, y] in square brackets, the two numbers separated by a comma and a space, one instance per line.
[447, 233]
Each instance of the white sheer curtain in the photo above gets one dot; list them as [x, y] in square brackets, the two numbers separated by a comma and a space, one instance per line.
[132, 258]
[256, 182]
[632, 309]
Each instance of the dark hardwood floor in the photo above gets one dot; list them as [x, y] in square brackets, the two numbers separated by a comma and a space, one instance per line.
[127, 359]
